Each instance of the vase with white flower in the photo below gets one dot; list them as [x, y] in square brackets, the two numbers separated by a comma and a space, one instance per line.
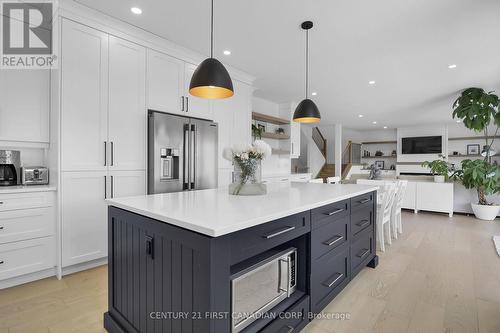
[247, 167]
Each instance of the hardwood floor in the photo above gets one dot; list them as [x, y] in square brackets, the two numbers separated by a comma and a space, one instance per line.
[442, 275]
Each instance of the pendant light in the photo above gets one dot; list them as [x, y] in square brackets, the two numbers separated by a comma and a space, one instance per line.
[307, 111]
[211, 79]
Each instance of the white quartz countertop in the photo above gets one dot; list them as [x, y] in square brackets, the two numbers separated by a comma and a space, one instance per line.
[216, 213]
[26, 189]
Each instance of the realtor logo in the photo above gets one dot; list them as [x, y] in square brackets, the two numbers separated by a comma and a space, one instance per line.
[27, 35]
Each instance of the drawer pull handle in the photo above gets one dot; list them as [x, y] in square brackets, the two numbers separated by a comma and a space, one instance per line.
[331, 283]
[285, 230]
[363, 201]
[333, 241]
[335, 212]
[290, 329]
[364, 253]
[363, 223]
[1, 227]
[1, 262]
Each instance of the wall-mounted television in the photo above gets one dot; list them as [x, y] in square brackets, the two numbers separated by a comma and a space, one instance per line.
[422, 145]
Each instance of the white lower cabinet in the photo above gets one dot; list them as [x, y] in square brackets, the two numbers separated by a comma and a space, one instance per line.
[409, 199]
[127, 183]
[436, 197]
[19, 258]
[24, 224]
[84, 216]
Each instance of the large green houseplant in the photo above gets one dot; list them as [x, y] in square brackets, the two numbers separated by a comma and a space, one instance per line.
[478, 110]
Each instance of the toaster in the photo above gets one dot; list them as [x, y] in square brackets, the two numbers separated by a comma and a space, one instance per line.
[34, 176]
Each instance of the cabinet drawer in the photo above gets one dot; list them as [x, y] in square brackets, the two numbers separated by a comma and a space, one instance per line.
[329, 237]
[26, 257]
[252, 241]
[292, 320]
[329, 277]
[326, 214]
[362, 251]
[26, 200]
[363, 200]
[25, 224]
[362, 219]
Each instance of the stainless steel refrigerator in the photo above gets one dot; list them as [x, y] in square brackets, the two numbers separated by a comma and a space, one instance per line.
[182, 153]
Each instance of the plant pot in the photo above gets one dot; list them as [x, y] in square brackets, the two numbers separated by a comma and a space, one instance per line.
[485, 212]
[438, 179]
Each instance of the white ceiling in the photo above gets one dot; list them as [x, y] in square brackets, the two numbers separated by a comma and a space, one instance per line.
[404, 45]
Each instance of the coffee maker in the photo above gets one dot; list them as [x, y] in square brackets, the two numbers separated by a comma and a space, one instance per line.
[10, 163]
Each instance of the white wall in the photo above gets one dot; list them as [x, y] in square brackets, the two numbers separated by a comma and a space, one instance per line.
[275, 165]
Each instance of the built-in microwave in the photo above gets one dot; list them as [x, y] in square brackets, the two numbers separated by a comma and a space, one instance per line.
[261, 286]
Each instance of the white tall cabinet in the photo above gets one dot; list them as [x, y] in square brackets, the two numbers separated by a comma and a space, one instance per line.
[103, 134]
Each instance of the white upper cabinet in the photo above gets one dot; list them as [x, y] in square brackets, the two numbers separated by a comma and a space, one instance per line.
[84, 103]
[294, 139]
[165, 83]
[234, 117]
[24, 105]
[127, 105]
[195, 106]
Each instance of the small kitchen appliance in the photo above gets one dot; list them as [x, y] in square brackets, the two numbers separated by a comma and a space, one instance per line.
[35, 176]
[10, 162]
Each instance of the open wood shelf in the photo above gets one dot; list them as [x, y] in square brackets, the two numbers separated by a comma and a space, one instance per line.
[275, 136]
[478, 156]
[269, 119]
[466, 138]
[378, 142]
[384, 156]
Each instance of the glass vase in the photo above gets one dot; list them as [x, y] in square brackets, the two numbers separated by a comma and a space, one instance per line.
[249, 182]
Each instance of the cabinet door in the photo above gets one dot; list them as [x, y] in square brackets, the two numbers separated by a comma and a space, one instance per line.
[127, 183]
[165, 83]
[24, 105]
[242, 122]
[409, 199]
[84, 125]
[294, 139]
[127, 106]
[196, 107]
[84, 216]
[224, 115]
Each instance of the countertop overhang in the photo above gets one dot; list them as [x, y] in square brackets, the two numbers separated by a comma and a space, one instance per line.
[216, 213]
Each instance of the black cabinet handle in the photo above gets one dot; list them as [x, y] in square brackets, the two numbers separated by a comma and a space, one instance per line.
[112, 154]
[364, 253]
[1, 262]
[112, 187]
[150, 247]
[363, 223]
[105, 153]
[280, 232]
[105, 187]
[329, 284]
[333, 241]
[187, 104]
[1, 227]
[1, 202]
[335, 212]
[182, 98]
[363, 201]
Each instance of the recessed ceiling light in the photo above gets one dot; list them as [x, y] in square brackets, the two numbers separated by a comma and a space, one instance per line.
[371, 82]
[374, 123]
[360, 116]
[452, 66]
[314, 93]
[385, 127]
[227, 52]
[136, 10]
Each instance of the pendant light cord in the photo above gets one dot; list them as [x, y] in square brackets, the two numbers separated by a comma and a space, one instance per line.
[307, 63]
[212, 29]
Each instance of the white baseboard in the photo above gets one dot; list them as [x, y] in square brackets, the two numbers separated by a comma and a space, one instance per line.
[84, 266]
[15, 281]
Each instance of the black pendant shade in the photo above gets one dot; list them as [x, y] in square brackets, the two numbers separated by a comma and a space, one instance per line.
[307, 111]
[211, 79]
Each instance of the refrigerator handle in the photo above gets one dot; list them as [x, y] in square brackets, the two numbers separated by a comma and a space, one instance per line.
[192, 157]
[186, 160]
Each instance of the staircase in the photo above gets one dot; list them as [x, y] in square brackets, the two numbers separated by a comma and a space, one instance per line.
[328, 170]
[350, 156]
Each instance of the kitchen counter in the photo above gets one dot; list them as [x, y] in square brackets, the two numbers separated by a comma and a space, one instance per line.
[26, 189]
[182, 253]
[216, 213]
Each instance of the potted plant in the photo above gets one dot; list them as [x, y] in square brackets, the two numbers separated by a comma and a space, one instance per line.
[478, 110]
[484, 177]
[439, 169]
[257, 132]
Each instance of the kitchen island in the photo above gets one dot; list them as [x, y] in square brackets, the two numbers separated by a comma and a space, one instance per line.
[178, 261]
